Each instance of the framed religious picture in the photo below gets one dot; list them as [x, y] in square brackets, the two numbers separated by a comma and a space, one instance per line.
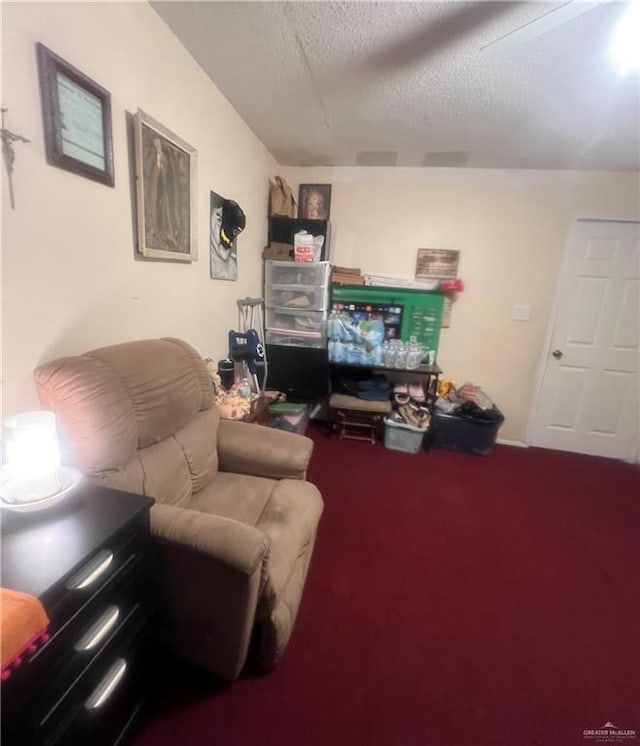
[166, 179]
[314, 201]
[76, 114]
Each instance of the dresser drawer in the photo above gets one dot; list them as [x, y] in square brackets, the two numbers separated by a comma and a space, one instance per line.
[90, 632]
[88, 580]
[103, 698]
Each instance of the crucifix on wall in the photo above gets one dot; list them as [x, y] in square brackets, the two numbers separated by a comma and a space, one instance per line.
[8, 138]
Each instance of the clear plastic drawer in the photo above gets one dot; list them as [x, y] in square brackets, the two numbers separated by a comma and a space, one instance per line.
[297, 297]
[297, 273]
[283, 319]
[295, 339]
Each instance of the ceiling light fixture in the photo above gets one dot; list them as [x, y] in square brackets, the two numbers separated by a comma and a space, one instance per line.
[625, 44]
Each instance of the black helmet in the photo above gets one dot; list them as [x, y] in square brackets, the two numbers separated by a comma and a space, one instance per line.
[233, 222]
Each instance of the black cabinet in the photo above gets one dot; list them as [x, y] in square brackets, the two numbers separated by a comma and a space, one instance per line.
[282, 230]
[88, 561]
[302, 373]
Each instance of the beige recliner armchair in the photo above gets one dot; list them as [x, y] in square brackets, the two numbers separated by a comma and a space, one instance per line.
[235, 521]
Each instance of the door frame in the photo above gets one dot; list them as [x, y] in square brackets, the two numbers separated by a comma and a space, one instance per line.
[543, 357]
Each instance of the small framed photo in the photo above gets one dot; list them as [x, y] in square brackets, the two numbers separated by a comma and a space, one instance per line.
[76, 114]
[166, 178]
[314, 201]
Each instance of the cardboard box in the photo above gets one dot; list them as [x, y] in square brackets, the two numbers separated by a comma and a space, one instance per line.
[347, 279]
[281, 252]
[347, 276]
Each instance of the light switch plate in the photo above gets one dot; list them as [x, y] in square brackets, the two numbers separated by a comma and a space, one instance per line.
[520, 312]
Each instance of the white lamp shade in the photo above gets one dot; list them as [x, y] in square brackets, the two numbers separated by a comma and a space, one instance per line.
[33, 456]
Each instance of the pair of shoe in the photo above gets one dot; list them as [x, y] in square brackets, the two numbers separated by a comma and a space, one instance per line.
[307, 324]
[294, 300]
[417, 416]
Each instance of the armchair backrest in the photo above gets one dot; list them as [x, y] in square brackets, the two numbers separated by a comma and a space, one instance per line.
[137, 416]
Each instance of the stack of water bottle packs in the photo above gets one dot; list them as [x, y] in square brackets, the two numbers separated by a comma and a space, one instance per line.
[361, 341]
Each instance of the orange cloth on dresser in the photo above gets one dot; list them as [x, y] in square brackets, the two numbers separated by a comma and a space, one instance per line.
[23, 621]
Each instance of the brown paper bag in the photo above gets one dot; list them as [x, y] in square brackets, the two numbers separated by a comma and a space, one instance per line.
[282, 252]
[281, 199]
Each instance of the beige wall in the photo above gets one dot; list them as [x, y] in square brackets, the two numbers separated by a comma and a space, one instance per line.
[69, 278]
[510, 227]
[70, 281]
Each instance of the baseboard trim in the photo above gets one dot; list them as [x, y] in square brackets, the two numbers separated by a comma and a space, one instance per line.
[514, 443]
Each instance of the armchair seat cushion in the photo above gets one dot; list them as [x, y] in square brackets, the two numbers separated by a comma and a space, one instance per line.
[221, 497]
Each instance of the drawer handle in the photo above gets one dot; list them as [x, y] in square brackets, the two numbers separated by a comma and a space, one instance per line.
[107, 686]
[98, 630]
[91, 571]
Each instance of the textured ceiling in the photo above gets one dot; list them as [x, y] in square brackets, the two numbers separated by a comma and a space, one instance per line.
[409, 84]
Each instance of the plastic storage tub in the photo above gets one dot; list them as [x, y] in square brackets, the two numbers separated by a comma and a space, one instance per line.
[465, 435]
[289, 416]
[401, 437]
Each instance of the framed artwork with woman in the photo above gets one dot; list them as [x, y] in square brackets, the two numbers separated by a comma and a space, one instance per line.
[314, 201]
[166, 181]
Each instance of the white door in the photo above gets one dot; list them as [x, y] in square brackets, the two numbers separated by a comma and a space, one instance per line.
[588, 401]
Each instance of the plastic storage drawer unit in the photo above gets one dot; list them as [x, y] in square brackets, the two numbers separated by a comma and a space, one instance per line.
[465, 435]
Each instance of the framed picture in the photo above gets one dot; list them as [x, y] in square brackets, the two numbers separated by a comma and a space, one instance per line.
[437, 264]
[76, 114]
[166, 178]
[314, 201]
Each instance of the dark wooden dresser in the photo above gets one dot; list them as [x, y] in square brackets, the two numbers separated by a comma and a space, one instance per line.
[88, 560]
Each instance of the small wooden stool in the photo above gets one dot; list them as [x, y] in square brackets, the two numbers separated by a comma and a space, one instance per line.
[357, 419]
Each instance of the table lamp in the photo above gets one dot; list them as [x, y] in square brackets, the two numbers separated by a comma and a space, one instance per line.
[33, 474]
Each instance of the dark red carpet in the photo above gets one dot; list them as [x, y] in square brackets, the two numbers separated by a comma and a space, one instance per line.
[453, 601]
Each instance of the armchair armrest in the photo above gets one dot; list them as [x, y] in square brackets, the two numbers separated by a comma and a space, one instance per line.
[209, 571]
[245, 448]
[236, 544]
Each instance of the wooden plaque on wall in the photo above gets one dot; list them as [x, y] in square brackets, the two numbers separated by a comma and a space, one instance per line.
[437, 264]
